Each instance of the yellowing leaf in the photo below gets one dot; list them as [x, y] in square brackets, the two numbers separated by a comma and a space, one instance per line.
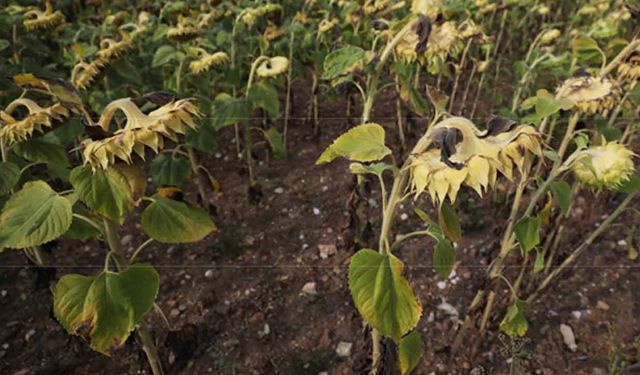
[105, 308]
[514, 322]
[170, 221]
[363, 143]
[382, 296]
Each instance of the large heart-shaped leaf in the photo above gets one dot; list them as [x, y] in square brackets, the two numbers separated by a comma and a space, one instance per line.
[229, 111]
[33, 216]
[40, 151]
[105, 308]
[383, 297]
[363, 143]
[169, 170]
[342, 61]
[170, 221]
[9, 176]
[106, 192]
[265, 96]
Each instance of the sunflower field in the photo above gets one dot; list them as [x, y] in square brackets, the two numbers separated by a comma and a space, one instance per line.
[320, 187]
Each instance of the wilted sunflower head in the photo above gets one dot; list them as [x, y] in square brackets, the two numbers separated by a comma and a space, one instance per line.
[430, 8]
[590, 94]
[301, 18]
[605, 166]
[183, 32]
[273, 32]
[207, 61]
[111, 50]
[485, 6]
[326, 25]
[249, 16]
[549, 36]
[372, 7]
[629, 70]
[38, 19]
[455, 153]
[14, 130]
[140, 130]
[272, 67]
[116, 18]
[443, 40]
[85, 74]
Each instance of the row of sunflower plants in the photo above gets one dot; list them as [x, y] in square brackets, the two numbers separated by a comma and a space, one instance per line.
[90, 195]
[545, 156]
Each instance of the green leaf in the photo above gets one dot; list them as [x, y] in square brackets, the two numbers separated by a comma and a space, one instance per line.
[276, 142]
[4, 44]
[170, 221]
[167, 169]
[80, 230]
[382, 296]
[203, 139]
[163, 55]
[586, 50]
[342, 61]
[265, 96]
[561, 195]
[630, 186]
[376, 168]
[33, 216]
[362, 143]
[9, 176]
[444, 256]
[449, 223]
[514, 322]
[409, 352]
[527, 232]
[106, 192]
[40, 151]
[538, 265]
[230, 111]
[105, 308]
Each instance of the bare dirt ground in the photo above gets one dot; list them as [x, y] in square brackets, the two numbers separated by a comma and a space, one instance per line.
[236, 304]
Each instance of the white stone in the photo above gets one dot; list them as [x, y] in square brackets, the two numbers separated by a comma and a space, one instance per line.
[208, 274]
[568, 337]
[327, 250]
[316, 211]
[278, 190]
[309, 288]
[344, 349]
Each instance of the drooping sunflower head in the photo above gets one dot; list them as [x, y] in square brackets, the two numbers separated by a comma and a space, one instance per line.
[251, 15]
[301, 18]
[83, 74]
[37, 120]
[605, 166]
[184, 31]
[486, 6]
[111, 49]
[207, 61]
[38, 19]
[273, 32]
[273, 67]
[430, 8]
[454, 153]
[590, 94]
[549, 36]
[381, 6]
[140, 130]
[629, 70]
[444, 40]
[326, 25]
